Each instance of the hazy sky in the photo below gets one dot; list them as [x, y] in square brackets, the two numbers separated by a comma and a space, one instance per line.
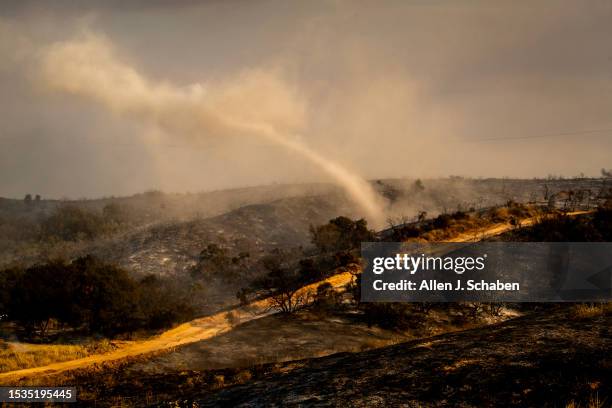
[386, 89]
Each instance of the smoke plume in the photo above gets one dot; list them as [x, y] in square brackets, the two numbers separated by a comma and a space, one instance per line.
[255, 104]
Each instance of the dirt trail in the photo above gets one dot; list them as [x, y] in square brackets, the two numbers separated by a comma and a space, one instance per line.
[207, 327]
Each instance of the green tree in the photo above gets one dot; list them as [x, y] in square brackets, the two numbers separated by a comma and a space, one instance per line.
[340, 234]
[106, 296]
[39, 294]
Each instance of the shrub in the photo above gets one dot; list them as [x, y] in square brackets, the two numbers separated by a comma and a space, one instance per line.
[162, 302]
[393, 316]
[442, 221]
[232, 318]
[215, 262]
[243, 376]
[327, 297]
[460, 215]
[602, 222]
[563, 228]
[494, 309]
[407, 231]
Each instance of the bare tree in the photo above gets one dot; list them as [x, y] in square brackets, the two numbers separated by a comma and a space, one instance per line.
[289, 300]
[422, 216]
[283, 283]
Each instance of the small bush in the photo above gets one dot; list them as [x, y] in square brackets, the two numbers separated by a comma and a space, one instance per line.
[232, 318]
[392, 316]
[405, 232]
[218, 381]
[327, 297]
[460, 215]
[442, 221]
[494, 309]
[243, 376]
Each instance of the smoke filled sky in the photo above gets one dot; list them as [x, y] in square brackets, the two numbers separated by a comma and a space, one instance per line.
[108, 98]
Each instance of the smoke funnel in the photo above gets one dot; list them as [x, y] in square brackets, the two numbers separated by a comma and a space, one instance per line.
[255, 105]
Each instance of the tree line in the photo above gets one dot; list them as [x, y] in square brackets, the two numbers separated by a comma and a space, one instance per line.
[87, 295]
[69, 222]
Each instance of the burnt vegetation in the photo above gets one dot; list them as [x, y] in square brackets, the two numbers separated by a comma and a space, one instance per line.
[595, 227]
[335, 249]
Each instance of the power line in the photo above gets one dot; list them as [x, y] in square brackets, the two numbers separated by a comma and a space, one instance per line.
[91, 141]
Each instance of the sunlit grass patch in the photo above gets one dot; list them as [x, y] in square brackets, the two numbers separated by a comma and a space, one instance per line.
[17, 356]
[588, 310]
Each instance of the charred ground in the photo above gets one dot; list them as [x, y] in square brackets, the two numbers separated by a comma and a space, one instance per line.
[548, 358]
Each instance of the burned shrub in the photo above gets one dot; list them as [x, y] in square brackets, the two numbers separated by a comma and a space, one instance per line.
[442, 221]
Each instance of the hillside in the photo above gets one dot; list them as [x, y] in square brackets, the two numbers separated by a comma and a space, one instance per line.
[172, 247]
[163, 233]
[550, 358]
[243, 354]
[544, 359]
[155, 206]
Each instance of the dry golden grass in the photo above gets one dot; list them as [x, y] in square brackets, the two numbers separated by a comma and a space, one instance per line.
[17, 356]
[243, 376]
[500, 214]
[219, 381]
[475, 227]
[593, 402]
[588, 310]
[456, 227]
